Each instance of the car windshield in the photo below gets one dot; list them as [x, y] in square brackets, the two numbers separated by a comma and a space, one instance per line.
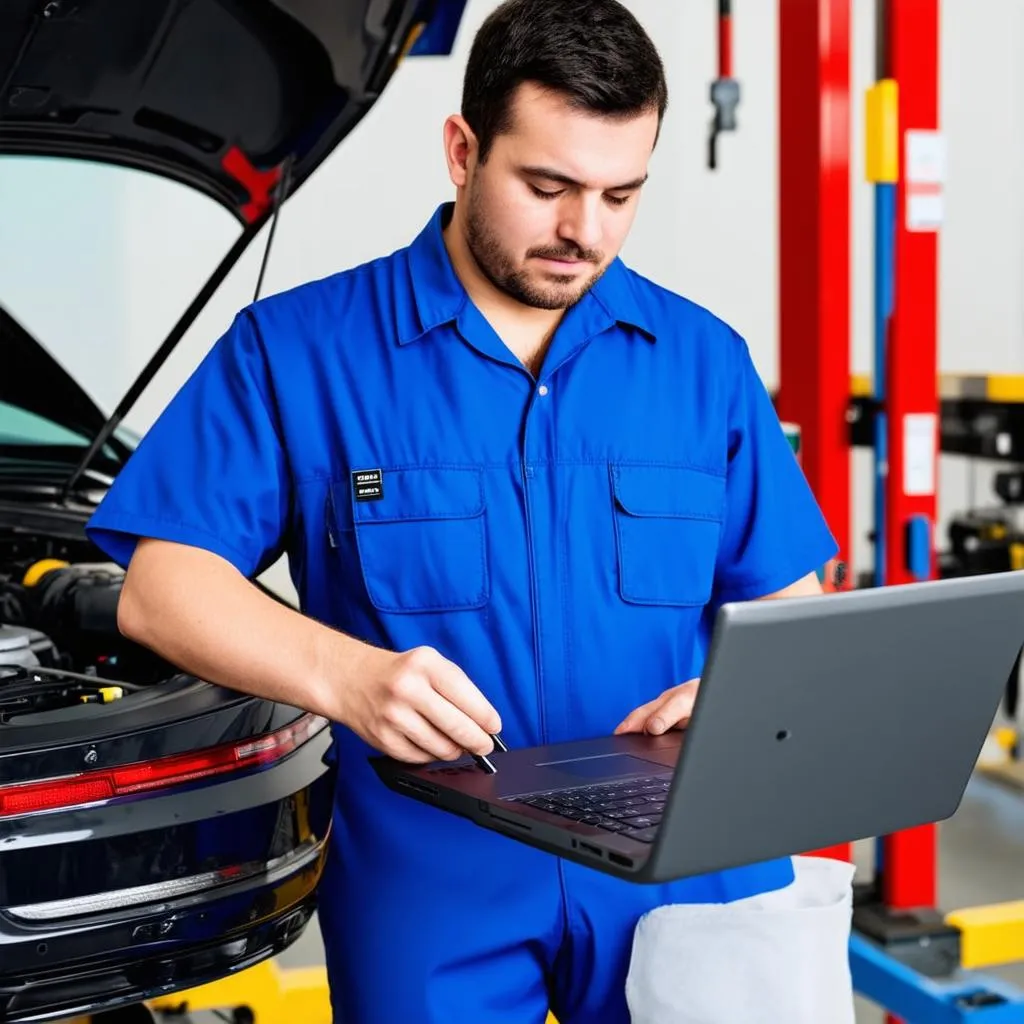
[20, 427]
[97, 263]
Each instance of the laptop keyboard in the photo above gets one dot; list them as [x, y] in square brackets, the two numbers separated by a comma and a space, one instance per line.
[632, 807]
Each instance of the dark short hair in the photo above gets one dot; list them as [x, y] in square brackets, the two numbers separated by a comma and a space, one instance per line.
[594, 52]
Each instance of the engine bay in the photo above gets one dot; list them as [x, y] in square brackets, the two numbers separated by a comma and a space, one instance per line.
[59, 641]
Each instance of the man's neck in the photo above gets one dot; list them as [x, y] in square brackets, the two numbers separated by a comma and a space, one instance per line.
[525, 330]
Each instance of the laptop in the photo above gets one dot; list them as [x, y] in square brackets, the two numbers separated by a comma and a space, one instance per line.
[818, 721]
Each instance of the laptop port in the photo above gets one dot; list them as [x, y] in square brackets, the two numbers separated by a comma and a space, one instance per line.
[509, 821]
[617, 858]
[417, 787]
[595, 850]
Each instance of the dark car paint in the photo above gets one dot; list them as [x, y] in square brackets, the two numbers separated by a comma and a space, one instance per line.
[58, 968]
[50, 969]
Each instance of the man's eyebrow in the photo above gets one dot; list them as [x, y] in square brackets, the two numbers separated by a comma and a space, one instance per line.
[550, 174]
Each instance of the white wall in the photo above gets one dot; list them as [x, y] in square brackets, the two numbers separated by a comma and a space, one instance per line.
[710, 235]
[63, 227]
[981, 274]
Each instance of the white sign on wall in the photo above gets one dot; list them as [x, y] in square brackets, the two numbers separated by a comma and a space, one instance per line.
[919, 449]
[925, 180]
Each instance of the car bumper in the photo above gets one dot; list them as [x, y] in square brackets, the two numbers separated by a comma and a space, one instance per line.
[206, 917]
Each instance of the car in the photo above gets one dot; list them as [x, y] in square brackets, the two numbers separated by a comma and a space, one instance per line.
[156, 831]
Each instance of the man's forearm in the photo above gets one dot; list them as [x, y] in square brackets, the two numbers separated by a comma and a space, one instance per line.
[196, 610]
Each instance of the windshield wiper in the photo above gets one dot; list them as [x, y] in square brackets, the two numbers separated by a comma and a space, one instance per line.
[186, 320]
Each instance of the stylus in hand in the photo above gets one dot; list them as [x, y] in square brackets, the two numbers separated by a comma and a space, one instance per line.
[485, 764]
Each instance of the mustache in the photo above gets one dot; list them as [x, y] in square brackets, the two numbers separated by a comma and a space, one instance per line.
[563, 253]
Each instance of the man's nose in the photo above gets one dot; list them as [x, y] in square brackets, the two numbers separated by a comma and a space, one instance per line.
[581, 222]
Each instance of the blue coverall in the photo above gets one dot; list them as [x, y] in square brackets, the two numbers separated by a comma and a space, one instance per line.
[563, 539]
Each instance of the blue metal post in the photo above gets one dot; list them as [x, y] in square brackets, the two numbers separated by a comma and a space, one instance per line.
[885, 241]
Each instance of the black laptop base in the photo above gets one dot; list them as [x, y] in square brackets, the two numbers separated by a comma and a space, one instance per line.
[583, 842]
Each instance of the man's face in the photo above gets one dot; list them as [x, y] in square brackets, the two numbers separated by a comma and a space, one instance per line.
[552, 205]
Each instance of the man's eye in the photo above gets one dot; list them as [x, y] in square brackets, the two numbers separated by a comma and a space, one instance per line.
[618, 200]
[541, 194]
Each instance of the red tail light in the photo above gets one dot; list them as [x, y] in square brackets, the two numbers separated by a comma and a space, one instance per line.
[104, 784]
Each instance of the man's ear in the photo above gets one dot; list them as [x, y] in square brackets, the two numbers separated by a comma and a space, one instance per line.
[460, 147]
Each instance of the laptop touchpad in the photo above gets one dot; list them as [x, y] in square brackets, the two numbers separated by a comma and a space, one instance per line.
[604, 766]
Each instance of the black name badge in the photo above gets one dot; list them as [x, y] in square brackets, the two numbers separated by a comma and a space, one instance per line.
[368, 484]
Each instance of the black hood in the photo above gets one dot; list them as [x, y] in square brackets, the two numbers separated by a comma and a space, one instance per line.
[219, 94]
[238, 99]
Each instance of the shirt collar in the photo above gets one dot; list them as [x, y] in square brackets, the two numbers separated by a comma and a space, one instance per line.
[616, 290]
[439, 295]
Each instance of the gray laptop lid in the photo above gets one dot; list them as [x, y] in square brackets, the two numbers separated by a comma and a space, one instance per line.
[833, 718]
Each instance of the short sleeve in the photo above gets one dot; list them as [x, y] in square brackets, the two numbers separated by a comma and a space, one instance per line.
[774, 533]
[211, 472]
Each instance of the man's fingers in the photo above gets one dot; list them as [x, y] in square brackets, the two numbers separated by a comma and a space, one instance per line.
[461, 730]
[432, 702]
[456, 688]
[419, 731]
[396, 745]
[671, 708]
[674, 709]
[636, 719]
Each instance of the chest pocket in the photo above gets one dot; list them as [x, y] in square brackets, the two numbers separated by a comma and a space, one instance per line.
[422, 545]
[668, 523]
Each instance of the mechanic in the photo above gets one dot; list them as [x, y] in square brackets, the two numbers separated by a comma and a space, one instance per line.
[513, 479]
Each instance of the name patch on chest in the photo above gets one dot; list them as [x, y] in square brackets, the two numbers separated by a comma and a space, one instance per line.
[368, 484]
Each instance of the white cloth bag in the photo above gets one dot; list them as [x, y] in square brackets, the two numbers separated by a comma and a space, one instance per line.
[777, 958]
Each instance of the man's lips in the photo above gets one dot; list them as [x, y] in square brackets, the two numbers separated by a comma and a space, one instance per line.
[556, 262]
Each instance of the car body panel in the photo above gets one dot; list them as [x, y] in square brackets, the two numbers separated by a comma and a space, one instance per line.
[88, 892]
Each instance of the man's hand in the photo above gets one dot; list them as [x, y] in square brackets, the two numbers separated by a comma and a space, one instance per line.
[671, 710]
[417, 707]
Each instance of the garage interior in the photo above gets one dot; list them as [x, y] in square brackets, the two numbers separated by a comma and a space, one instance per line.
[838, 179]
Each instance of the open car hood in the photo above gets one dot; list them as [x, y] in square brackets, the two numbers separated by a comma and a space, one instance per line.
[238, 99]
[218, 94]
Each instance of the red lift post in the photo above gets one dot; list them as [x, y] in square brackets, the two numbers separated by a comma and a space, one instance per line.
[909, 858]
[814, 250]
[814, 308]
